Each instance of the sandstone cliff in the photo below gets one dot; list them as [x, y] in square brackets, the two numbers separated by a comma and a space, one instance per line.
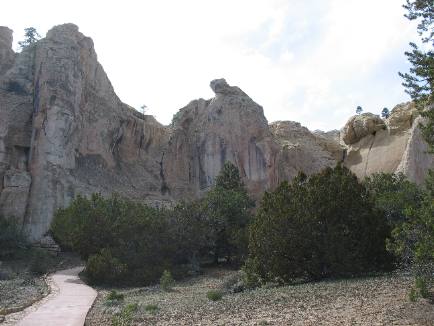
[206, 133]
[63, 132]
[393, 145]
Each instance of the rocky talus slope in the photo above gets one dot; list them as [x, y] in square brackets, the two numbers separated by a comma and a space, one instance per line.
[64, 131]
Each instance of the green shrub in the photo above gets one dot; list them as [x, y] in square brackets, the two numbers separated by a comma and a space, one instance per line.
[126, 316]
[251, 277]
[104, 268]
[214, 295]
[317, 227]
[393, 194]
[12, 239]
[122, 241]
[151, 308]
[412, 295]
[131, 243]
[40, 261]
[413, 240]
[422, 287]
[88, 225]
[228, 208]
[166, 281]
[115, 296]
[190, 230]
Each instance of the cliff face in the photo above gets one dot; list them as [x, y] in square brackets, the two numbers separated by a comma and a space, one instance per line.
[63, 132]
[394, 145]
[206, 133]
[302, 150]
[7, 56]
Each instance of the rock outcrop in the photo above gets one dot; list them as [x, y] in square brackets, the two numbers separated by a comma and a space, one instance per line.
[206, 133]
[6, 54]
[63, 132]
[302, 150]
[360, 126]
[395, 145]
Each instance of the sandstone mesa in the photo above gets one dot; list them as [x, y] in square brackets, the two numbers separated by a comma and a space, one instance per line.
[64, 131]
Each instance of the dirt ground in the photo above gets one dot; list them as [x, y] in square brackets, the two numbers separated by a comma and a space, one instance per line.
[370, 301]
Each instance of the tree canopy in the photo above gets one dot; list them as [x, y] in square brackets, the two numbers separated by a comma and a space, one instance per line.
[419, 81]
[31, 36]
[228, 208]
[322, 226]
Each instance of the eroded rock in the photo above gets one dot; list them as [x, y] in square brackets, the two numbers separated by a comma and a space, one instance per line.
[360, 126]
[206, 133]
[7, 55]
[14, 196]
[398, 148]
[64, 131]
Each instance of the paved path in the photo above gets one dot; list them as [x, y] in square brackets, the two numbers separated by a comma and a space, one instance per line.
[69, 304]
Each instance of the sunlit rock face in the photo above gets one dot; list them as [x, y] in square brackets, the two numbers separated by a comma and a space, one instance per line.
[395, 145]
[64, 132]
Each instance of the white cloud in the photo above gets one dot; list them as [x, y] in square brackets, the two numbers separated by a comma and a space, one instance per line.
[311, 61]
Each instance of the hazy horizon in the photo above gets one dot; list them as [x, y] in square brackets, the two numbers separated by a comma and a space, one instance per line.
[307, 62]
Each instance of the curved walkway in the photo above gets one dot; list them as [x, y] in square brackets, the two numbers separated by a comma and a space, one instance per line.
[69, 304]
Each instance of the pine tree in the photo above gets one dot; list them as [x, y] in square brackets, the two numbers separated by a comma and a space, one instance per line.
[322, 226]
[419, 81]
[414, 239]
[228, 206]
[31, 36]
[385, 113]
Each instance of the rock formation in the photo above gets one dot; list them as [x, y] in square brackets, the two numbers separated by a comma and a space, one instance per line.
[360, 126]
[6, 54]
[206, 133]
[395, 145]
[63, 132]
[302, 150]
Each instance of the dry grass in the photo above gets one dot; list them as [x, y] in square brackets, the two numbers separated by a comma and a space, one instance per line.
[370, 301]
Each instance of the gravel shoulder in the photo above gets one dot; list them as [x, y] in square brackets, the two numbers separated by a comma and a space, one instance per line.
[20, 287]
[21, 291]
[369, 301]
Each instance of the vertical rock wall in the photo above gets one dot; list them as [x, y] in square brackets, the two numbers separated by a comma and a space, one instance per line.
[391, 146]
[63, 132]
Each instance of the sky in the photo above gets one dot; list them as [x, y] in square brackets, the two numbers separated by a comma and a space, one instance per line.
[311, 61]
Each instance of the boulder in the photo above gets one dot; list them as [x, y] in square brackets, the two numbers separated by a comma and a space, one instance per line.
[402, 117]
[360, 126]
